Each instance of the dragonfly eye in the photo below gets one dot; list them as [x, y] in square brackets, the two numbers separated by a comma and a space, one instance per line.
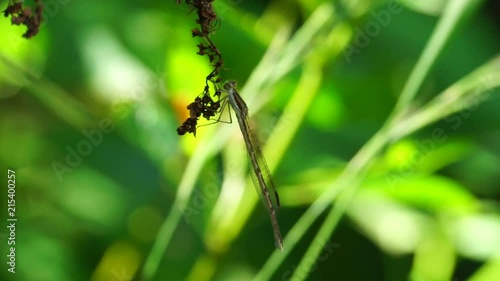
[231, 84]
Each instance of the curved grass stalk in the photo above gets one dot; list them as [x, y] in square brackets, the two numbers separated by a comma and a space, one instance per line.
[467, 92]
[51, 95]
[268, 67]
[352, 175]
[454, 13]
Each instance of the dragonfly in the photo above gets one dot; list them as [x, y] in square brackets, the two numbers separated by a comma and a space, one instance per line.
[261, 176]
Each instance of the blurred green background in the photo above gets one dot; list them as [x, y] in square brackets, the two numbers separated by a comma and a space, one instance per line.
[107, 191]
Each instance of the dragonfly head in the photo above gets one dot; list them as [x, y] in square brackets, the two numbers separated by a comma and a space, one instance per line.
[231, 84]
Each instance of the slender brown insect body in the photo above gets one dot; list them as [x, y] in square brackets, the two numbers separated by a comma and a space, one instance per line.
[261, 175]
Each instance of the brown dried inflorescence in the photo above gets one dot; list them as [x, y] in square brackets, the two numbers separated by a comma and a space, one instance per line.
[25, 16]
[204, 105]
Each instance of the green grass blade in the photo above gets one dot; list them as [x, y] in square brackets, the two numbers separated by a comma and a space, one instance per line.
[453, 15]
[351, 177]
